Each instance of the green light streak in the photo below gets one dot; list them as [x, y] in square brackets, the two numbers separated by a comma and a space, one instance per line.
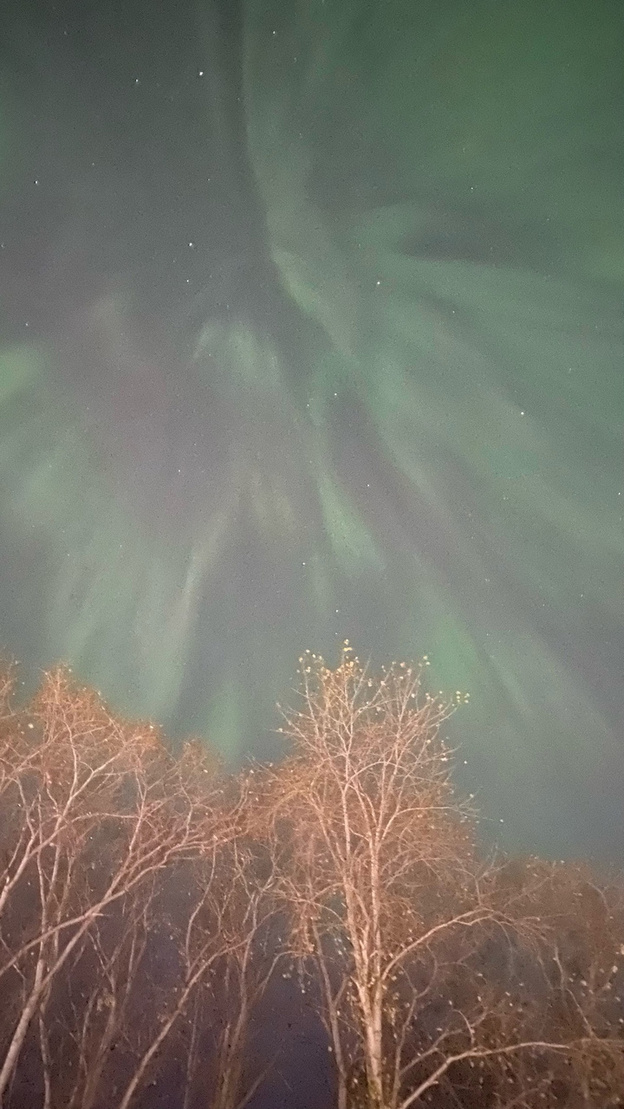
[452, 246]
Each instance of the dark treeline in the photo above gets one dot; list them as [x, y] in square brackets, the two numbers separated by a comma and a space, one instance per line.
[325, 932]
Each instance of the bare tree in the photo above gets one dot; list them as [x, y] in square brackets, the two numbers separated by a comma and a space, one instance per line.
[92, 810]
[245, 914]
[143, 900]
[87, 1020]
[130, 898]
[390, 902]
[579, 978]
[225, 954]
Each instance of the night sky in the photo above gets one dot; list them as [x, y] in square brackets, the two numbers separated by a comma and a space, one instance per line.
[311, 328]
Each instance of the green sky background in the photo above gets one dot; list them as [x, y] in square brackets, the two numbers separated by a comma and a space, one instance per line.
[312, 329]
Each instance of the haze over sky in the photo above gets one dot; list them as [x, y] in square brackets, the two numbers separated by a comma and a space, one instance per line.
[311, 327]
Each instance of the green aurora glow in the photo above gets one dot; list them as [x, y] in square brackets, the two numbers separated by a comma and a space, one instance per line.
[430, 461]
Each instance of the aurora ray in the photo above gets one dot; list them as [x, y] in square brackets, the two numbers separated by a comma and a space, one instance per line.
[390, 404]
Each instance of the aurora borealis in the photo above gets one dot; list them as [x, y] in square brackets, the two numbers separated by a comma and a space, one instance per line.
[311, 328]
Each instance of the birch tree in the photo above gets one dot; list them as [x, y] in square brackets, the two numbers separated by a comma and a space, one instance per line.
[245, 915]
[92, 810]
[419, 956]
